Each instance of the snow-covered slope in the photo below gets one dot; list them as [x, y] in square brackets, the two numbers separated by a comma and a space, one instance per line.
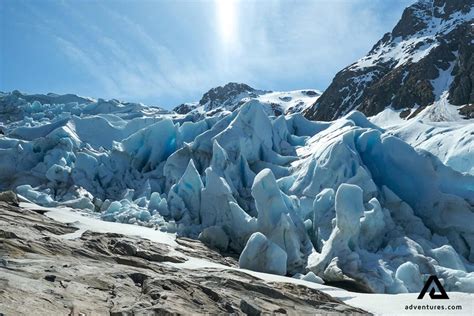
[428, 52]
[290, 102]
[438, 129]
[230, 97]
[345, 200]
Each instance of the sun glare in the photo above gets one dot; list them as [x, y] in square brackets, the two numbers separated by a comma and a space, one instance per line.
[226, 17]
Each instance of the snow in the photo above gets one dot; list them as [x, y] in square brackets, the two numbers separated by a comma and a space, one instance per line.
[442, 83]
[400, 52]
[392, 304]
[275, 103]
[84, 222]
[414, 48]
[438, 129]
[435, 127]
[426, 32]
[292, 101]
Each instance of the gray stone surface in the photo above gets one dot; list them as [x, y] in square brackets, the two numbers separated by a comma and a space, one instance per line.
[43, 271]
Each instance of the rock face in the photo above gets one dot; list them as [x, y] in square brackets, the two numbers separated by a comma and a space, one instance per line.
[231, 96]
[185, 108]
[9, 197]
[226, 94]
[47, 268]
[427, 53]
[227, 97]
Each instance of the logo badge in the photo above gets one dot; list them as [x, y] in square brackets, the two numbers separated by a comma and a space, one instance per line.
[435, 285]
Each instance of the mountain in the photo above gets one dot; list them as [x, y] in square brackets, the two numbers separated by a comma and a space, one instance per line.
[222, 98]
[428, 56]
[230, 97]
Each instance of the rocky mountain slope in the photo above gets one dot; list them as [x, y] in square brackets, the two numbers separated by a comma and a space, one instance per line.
[43, 271]
[232, 96]
[429, 52]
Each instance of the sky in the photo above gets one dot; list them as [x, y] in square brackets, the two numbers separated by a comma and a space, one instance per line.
[164, 53]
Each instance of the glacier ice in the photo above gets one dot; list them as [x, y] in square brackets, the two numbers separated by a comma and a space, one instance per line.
[262, 255]
[215, 237]
[323, 201]
[343, 241]
[310, 277]
[409, 274]
[151, 145]
[278, 221]
[184, 197]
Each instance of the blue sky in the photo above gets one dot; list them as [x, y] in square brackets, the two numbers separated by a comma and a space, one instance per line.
[168, 52]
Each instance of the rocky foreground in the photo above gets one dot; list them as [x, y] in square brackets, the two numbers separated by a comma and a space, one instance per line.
[45, 271]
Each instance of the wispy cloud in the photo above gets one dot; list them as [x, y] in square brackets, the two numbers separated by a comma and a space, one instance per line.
[131, 62]
[168, 52]
[84, 59]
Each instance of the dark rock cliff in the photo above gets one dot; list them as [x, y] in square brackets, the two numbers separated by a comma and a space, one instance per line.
[429, 51]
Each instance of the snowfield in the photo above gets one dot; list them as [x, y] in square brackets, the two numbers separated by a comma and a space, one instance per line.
[230, 97]
[438, 129]
[401, 50]
[380, 204]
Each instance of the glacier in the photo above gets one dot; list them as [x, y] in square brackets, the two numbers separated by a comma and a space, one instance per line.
[349, 201]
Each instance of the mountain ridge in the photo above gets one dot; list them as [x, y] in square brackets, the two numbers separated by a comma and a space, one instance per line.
[232, 96]
[401, 69]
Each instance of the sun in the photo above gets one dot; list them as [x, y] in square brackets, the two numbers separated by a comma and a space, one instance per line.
[226, 20]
